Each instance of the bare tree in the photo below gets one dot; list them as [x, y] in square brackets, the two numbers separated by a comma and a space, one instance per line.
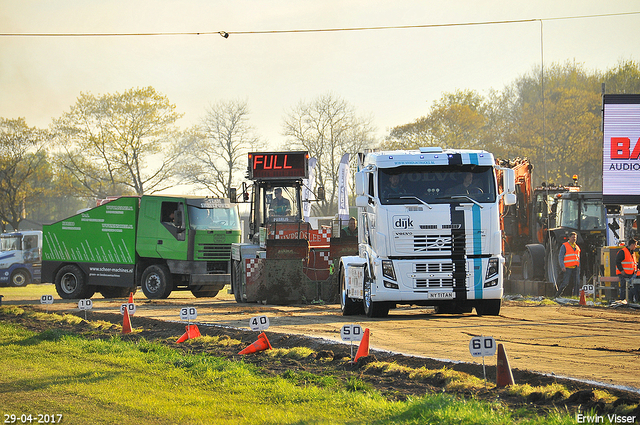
[328, 127]
[119, 143]
[217, 156]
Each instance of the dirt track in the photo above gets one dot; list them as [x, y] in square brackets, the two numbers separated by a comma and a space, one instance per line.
[588, 343]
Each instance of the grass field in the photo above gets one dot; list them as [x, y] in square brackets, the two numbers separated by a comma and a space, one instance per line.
[94, 380]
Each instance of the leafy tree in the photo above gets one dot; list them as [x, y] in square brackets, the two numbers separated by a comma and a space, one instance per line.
[22, 156]
[624, 78]
[217, 154]
[328, 127]
[121, 143]
[559, 132]
[457, 120]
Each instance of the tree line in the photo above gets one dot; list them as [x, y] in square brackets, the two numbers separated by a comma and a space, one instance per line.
[130, 143]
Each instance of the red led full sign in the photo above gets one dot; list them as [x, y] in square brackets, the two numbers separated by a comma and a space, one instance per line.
[278, 165]
[621, 149]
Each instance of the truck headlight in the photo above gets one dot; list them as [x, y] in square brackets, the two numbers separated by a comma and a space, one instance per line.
[387, 269]
[492, 268]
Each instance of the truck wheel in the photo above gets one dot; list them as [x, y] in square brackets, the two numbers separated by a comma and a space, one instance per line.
[553, 266]
[204, 293]
[236, 270]
[71, 283]
[20, 278]
[347, 305]
[157, 282]
[488, 308]
[372, 309]
[115, 291]
[527, 266]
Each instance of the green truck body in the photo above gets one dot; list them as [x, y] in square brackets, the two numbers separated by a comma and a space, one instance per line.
[161, 243]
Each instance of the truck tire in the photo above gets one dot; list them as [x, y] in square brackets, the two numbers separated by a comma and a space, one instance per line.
[157, 282]
[552, 264]
[204, 293]
[236, 270]
[20, 278]
[372, 309]
[72, 284]
[347, 305]
[488, 308]
[115, 291]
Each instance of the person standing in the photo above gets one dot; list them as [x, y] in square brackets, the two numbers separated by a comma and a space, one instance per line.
[569, 259]
[626, 268]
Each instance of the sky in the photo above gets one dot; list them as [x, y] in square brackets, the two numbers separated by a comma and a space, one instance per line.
[391, 75]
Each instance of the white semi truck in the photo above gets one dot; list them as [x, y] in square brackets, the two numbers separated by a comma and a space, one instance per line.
[428, 233]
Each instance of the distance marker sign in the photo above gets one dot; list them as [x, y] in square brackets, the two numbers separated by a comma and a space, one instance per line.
[481, 346]
[259, 323]
[85, 304]
[131, 307]
[188, 313]
[351, 333]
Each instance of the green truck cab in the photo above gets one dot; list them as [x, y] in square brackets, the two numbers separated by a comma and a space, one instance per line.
[160, 243]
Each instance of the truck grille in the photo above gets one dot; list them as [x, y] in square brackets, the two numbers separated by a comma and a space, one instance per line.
[432, 243]
[434, 268]
[434, 283]
[214, 252]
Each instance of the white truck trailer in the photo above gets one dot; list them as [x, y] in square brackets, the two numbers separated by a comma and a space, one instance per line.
[428, 233]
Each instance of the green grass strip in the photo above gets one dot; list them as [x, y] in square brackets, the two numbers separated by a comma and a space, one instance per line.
[114, 381]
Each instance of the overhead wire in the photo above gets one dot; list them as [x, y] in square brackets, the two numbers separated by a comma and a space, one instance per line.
[226, 34]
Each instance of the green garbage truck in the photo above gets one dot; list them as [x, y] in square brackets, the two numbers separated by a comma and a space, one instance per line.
[160, 243]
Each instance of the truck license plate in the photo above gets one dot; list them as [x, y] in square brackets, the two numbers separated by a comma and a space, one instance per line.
[441, 295]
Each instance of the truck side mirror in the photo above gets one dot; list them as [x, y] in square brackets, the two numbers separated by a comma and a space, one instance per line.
[178, 219]
[320, 195]
[233, 195]
[361, 182]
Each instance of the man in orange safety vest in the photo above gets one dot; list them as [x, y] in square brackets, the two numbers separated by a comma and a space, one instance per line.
[569, 259]
[626, 268]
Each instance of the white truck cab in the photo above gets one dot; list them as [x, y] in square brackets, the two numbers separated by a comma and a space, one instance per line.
[428, 233]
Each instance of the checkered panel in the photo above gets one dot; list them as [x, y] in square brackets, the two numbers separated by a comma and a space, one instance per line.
[253, 267]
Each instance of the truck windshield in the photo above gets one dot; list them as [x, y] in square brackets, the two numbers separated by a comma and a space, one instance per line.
[213, 218]
[437, 184]
[9, 243]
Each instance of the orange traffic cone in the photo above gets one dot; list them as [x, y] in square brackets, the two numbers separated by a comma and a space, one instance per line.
[130, 297]
[504, 377]
[261, 344]
[192, 332]
[363, 349]
[126, 322]
[583, 301]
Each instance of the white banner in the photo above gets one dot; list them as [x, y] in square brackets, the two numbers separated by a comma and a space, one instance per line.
[307, 190]
[343, 189]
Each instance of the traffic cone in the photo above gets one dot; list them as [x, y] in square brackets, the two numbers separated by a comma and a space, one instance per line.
[583, 301]
[363, 348]
[504, 377]
[191, 333]
[126, 322]
[261, 344]
[130, 297]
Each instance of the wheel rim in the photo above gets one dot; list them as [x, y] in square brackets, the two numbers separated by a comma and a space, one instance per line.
[367, 294]
[68, 283]
[19, 279]
[343, 292]
[152, 283]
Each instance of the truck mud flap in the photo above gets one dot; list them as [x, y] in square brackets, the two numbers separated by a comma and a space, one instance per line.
[283, 282]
